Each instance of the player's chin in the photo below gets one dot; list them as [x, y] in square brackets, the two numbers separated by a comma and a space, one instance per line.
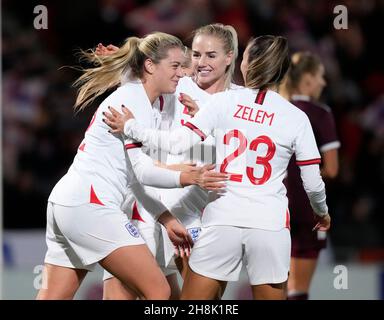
[171, 88]
[207, 79]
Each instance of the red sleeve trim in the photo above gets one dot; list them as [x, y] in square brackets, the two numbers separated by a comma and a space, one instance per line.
[196, 130]
[133, 145]
[308, 162]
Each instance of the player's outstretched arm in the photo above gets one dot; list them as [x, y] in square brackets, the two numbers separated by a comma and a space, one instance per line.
[175, 141]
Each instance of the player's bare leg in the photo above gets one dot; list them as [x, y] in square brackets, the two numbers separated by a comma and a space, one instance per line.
[300, 276]
[273, 291]
[198, 287]
[136, 267]
[60, 283]
[182, 265]
[174, 285]
[114, 289]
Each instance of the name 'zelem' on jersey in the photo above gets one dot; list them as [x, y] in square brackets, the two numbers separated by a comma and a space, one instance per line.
[253, 115]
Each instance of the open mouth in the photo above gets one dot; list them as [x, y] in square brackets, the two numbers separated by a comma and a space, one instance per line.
[204, 72]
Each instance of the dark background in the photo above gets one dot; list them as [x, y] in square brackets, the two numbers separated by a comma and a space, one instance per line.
[41, 132]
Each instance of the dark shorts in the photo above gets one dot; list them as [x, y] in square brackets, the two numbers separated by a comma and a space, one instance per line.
[305, 242]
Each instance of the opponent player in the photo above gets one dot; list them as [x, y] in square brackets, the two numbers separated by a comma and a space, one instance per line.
[304, 85]
[256, 132]
[85, 224]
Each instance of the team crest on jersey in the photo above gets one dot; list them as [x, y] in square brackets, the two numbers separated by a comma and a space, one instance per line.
[194, 232]
[132, 230]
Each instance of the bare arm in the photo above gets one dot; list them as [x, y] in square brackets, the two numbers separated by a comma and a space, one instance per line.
[330, 160]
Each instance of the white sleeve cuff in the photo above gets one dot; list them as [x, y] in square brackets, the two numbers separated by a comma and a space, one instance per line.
[330, 146]
[128, 127]
[177, 179]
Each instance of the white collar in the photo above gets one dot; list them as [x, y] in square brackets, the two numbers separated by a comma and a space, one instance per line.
[301, 97]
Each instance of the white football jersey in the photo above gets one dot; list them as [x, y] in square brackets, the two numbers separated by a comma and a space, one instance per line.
[187, 203]
[101, 171]
[256, 133]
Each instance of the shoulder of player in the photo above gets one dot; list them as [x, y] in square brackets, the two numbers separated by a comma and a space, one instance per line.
[128, 95]
[184, 81]
[297, 116]
[233, 95]
[228, 96]
[234, 86]
[124, 92]
[323, 107]
[313, 105]
[288, 106]
[186, 84]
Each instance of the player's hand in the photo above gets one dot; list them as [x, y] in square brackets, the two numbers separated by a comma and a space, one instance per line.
[188, 102]
[180, 238]
[182, 251]
[115, 120]
[211, 180]
[177, 233]
[102, 50]
[323, 223]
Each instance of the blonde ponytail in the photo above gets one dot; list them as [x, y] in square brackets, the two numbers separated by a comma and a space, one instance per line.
[110, 70]
[107, 73]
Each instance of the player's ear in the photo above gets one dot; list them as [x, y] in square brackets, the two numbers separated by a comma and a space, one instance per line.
[229, 58]
[149, 66]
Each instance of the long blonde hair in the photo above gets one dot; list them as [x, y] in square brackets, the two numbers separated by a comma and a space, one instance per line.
[129, 59]
[228, 35]
[268, 61]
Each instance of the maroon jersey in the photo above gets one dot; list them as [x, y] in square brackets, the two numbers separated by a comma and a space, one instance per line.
[305, 242]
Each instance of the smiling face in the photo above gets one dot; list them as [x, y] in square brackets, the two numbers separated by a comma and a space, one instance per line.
[209, 60]
[167, 73]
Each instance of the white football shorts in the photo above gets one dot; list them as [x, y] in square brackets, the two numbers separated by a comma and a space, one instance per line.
[220, 252]
[153, 234]
[80, 236]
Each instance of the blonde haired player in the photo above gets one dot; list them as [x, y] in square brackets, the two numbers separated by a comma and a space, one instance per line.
[213, 56]
[85, 223]
[256, 133]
